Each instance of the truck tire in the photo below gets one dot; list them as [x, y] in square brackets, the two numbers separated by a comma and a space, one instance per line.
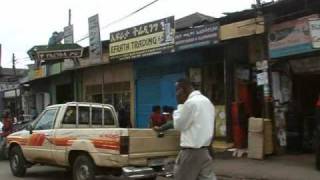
[18, 163]
[84, 168]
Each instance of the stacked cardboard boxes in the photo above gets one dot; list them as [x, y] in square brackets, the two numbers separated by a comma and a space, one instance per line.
[260, 141]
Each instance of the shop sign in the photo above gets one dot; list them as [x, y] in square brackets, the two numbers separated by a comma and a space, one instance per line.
[314, 25]
[12, 93]
[195, 76]
[54, 68]
[144, 40]
[68, 34]
[242, 28]
[262, 65]
[291, 37]
[220, 121]
[262, 78]
[59, 54]
[6, 86]
[94, 38]
[40, 72]
[197, 37]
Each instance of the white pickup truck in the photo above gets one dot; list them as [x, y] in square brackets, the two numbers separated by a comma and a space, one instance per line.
[85, 139]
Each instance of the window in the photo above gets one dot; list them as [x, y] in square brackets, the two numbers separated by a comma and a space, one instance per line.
[84, 115]
[70, 115]
[96, 116]
[108, 117]
[47, 120]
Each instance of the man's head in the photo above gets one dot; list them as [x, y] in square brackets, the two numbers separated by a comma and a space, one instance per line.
[156, 109]
[6, 114]
[183, 89]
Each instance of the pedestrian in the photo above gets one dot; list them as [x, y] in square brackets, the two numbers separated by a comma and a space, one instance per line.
[21, 116]
[317, 139]
[194, 118]
[7, 129]
[156, 119]
[7, 125]
[124, 116]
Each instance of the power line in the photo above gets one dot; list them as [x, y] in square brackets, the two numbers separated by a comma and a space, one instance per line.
[23, 59]
[120, 19]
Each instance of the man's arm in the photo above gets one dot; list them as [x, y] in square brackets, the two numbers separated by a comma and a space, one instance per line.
[168, 125]
[182, 116]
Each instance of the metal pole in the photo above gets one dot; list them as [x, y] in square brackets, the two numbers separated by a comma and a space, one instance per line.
[102, 85]
[15, 79]
[227, 93]
[69, 22]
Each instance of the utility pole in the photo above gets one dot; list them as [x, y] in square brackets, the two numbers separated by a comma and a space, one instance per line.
[14, 65]
[15, 80]
[69, 22]
[0, 54]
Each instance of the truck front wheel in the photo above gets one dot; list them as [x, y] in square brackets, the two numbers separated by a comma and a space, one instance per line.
[83, 168]
[17, 162]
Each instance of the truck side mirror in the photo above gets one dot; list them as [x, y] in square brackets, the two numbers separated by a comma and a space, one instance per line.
[29, 128]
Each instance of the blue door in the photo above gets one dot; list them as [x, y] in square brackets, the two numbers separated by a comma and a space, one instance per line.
[150, 91]
[168, 89]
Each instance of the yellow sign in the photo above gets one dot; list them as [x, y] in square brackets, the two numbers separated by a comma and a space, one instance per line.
[137, 44]
[242, 28]
[143, 40]
[40, 72]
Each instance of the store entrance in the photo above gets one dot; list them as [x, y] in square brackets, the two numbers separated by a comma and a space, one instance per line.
[306, 88]
[64, 93]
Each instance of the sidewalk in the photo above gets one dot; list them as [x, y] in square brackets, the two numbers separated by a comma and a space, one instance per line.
[287, 167]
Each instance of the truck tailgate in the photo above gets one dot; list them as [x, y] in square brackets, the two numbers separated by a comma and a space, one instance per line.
[146, 141]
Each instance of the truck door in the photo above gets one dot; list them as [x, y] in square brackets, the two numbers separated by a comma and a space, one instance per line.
[39, 147]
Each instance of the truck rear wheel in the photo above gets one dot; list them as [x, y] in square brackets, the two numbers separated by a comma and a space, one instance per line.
[17, 162]
[84, 168]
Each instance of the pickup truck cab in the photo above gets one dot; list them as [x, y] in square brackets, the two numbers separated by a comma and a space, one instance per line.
[85, 139]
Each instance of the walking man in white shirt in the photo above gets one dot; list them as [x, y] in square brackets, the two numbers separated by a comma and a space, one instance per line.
[194, 118]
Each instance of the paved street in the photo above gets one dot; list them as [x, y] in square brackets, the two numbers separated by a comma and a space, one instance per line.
[41, 173]
[34, 173]
[49, 173]
[298, 167]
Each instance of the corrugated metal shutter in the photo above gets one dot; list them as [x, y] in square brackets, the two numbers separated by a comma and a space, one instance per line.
[147, 94]
[155, 81]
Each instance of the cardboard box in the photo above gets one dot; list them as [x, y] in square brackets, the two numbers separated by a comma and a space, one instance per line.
[268, 140]
[260, 141]
[255, 146]
[255, 138]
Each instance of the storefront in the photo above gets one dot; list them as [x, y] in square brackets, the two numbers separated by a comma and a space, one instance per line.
[62, 88]
[155, 79]
[141, 46]
[232, 80]
[11, 100]
[156, 76]
[110, 84]
[295, 80]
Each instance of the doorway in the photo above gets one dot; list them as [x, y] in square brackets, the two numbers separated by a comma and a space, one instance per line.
[306, 88]
[64, 93]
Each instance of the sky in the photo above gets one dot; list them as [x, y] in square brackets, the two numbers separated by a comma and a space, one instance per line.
[26, 23]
